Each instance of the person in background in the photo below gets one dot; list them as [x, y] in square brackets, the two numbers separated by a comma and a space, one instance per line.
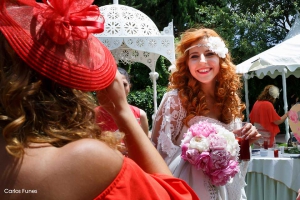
[298, 197]
[264, 116]
[203, 88]
[50, 145]
[106, 122]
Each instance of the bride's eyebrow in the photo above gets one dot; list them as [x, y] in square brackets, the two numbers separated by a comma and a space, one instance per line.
[197, 52]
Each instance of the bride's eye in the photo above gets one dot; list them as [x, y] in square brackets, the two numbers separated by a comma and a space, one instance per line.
[194, 56]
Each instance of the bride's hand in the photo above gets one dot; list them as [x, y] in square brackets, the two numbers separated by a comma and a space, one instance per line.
[250, 132]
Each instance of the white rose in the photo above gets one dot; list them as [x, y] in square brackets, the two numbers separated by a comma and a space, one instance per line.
[199, 143]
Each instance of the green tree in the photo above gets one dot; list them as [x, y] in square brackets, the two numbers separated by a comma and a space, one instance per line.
[141, 94]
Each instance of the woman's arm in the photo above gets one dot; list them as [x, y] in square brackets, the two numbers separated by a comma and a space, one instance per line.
[283, 118]
[168, 123]
[140, 149]
[156, 127]
[144, 123]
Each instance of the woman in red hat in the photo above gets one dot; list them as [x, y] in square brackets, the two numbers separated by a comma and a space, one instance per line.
[50, 146]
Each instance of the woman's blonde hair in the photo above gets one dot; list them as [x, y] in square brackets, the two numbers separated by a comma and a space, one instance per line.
[35, 109]
[228, 83]
[266, 96]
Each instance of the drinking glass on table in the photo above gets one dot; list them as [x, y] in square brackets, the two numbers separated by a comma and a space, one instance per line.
[260, 142]
[276, 149]
[266, 142]
[281, 148]
[244, 144]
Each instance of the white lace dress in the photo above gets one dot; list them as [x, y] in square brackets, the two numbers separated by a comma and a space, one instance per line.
[169, 125]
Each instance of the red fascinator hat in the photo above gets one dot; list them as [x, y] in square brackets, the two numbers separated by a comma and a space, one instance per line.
[55, 39]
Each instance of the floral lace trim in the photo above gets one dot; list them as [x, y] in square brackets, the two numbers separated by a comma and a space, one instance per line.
[172, 116]
[213, 193]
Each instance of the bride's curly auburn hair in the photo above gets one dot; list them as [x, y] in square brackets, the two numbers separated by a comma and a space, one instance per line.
[35, 109]
[228, 83]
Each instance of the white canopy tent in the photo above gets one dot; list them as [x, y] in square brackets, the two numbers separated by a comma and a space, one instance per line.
[283, 59]
[132, 36]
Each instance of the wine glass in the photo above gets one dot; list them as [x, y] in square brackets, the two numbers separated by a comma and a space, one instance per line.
[260, 142]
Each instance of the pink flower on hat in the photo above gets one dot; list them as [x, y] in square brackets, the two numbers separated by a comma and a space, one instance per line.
[64, 19]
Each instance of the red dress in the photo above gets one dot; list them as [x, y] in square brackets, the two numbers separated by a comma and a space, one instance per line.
[106, 122]
[133, 183]
[263, 112]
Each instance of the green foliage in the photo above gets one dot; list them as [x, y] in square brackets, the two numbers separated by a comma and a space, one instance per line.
[293, 150]
[144, 100]
[141, 94]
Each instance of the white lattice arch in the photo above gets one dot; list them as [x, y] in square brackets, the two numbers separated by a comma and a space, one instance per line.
[132, 37]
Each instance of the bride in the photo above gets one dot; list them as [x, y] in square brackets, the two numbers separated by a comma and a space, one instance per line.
[204, 87]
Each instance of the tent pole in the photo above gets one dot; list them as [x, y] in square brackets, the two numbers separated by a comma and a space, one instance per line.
[153, 76]
[246, 96]
[285, 106]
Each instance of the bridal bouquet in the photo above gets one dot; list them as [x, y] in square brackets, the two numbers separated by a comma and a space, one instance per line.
[213, 149]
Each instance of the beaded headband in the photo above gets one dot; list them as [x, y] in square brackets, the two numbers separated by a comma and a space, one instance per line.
[214, 44]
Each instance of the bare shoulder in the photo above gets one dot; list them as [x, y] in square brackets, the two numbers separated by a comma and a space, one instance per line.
[92, 151]
[89, 165]
[79, 170]
[143, 113]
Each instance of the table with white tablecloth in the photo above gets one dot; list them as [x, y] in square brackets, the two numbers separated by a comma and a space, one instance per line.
[270, 178]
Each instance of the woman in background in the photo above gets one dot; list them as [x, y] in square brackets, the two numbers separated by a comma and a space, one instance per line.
[264, 116]
[106, 122]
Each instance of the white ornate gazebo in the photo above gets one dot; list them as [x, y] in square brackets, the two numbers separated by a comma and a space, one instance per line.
[132, 36]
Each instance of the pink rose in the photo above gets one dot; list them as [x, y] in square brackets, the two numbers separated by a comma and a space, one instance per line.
[219, 159]
[217, 142]
[293, 116]
[202, 162]
[202, 129]
[222, 176]
[184, 148]
[190, 155]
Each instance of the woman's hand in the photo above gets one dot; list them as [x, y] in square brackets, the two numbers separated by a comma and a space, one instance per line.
[250, 133]
[113, 98]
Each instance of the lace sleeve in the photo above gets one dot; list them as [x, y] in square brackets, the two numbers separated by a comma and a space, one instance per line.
[168, 123]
